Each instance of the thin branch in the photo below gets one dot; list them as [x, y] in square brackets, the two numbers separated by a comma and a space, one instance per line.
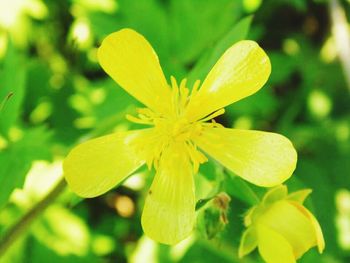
[15, 231]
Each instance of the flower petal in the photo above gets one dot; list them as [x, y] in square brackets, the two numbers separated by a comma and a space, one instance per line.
[248, 242]
[299, 196]
[94, 167]
[131, 61]
[273, 247]
[241, 71]
[262, 158]
[286, 219]
[315, 224]
[169, 212]
[275, 194]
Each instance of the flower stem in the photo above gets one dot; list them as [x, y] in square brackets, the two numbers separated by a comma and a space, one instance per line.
[15, 231]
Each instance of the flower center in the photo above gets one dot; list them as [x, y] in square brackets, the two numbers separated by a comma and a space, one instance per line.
[174, 127]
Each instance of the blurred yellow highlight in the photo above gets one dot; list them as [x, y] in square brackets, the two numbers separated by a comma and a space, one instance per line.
[145, 251]
[135, 182]
[124, 205]
[291, 47]
[243, 122]
[97, 96]
[3, 44]
[342, 199]
[319, 104]
[41, 112]
[103, 245]
[342, 131]
[251, 6]
[328, 51]
[84, 122]
[81, 6]
[81, 35]
[3, 143]
[15, 17]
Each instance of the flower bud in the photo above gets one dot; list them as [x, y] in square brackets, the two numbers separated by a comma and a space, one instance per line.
[281, 227]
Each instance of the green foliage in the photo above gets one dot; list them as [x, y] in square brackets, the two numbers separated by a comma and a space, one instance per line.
[12, 79]
[53, 95]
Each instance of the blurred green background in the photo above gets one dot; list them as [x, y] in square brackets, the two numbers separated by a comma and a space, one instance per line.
[53, 95]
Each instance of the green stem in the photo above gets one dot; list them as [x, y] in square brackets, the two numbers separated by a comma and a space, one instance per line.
[15, 231]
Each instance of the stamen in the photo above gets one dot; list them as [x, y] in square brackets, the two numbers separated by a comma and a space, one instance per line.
[175, 95]
[213, 115]
[174, 83]
[146, 112]
[183, 94]
[183, 84]
[216, 124]
[173, 127]
[138, 120]
[195, 155]
[195, 88]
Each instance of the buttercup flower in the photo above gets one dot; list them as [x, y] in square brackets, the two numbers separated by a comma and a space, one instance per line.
[179, 134]
[281, 227]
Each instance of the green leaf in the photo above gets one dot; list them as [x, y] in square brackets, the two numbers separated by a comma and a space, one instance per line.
[3, 102]
[209, 58]
[197, 24]
[12, 81]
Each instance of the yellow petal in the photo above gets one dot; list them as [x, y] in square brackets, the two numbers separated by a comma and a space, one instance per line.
[94, 167]
[131, 61]
[169, 212]
[316, 226]
[262, 158]
[273, 247]
[292, 224]
[248, 242]
[249, 216]
[275, 194]
[241, 71]
[299, 196]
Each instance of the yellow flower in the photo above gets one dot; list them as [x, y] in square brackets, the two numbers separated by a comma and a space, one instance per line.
[281, 227]
[179, 133]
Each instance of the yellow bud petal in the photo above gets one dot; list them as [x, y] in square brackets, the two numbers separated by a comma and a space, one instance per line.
[275, 194]
[287, 220]
[249, 242]
[299, 196]
[316, 226]
[273, 247]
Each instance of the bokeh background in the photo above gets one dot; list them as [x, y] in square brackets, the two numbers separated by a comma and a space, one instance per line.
[53, 95]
